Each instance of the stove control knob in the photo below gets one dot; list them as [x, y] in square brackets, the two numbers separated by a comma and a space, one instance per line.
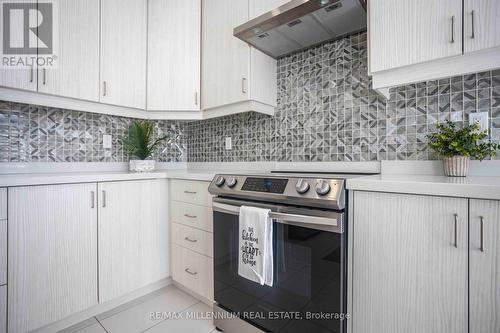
[302, 186]
[231, 182]
[322, 187]
[219, 181]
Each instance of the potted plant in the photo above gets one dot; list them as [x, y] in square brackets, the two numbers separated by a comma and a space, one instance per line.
[140, 145]
[458, 145]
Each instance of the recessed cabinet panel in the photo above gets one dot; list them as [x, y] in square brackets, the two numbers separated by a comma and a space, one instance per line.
[484, 272]
[481, 24]
[409, 32]
[174, 55]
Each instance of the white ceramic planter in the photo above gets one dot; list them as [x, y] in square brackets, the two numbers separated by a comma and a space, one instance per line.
[456, 166]
[142, 165]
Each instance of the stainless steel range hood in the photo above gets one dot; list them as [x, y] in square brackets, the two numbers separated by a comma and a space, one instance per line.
[300, 24]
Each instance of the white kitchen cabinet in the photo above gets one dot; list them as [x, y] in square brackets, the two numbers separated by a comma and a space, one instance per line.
[77, 71]
[410, 263]
[484, 273]
[174, 55]
[133, 236]
[410, 32]
[481, 24]
[123, 52]
[235, 77]
[52, 256]
[259, 7]
[415, 41]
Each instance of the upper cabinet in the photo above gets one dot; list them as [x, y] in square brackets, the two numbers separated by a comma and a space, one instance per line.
[77, 72]
[235, 77]
[410, 32]
[123, 52]
[481, 24]
[413, 41]
[174, 55]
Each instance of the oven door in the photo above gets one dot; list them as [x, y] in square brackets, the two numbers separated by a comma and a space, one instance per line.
[309, 287]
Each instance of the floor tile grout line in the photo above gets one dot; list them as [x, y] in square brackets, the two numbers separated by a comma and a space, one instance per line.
[104, 328]
[161, 321]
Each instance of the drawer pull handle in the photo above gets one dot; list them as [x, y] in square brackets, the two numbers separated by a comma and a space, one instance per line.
[455, 233]
[190, 192]
[189, 272]
[190, 240]
[190, 216]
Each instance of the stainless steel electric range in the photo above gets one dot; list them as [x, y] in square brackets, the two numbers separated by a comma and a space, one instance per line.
[309, 290]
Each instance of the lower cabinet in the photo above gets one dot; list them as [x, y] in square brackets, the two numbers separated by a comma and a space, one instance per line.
[133, 236]
[52, 257]
[484, 270]
[410, 264]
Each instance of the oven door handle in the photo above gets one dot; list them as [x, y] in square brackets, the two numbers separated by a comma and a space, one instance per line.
[324, 221]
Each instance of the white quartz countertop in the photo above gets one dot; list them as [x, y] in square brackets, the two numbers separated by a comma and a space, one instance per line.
[466, 187]
[25, 179]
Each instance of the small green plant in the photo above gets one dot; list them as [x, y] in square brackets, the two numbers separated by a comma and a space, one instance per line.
[451, 141]
[139, 141]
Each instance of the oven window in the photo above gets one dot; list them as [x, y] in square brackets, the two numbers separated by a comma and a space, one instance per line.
[307, 293]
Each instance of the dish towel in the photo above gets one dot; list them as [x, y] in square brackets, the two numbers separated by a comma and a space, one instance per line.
[255, 257]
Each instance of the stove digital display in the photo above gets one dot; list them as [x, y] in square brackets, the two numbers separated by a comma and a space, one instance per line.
[269, 185]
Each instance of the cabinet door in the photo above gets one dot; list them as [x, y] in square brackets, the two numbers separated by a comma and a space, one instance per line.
[409, 32]
[174, 43]
[226, 59]
[481, 24]
[123, 52]
[19, 78]
[52, 255]
[133, 236]
[484, 273]
[408, 276]
[77, 71]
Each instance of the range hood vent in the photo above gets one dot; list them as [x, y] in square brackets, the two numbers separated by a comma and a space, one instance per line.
[300, 24]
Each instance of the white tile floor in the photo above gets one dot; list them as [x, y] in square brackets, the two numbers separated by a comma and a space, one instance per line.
[134, 317]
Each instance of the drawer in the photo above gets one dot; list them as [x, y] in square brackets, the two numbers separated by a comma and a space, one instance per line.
[194, 239]
[192, 215]
[193, 270]
[3, 309]
[3, 252]
[194, 192]
[3, 203]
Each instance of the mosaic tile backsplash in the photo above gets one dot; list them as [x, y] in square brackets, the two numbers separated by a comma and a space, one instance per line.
[30, 133]
[327, 112]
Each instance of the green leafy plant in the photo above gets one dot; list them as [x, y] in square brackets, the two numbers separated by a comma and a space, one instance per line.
[451, 141]
[139, 141]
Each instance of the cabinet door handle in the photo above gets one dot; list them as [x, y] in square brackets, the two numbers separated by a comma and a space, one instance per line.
[190, 240]
[189, 272]
[31, 73]
[453, 29]
[472, 36]
[195, 98]
[455, 233]
[244, 85]
[190, 192]
[103, 199]
[44, 76]
[92, 199]
[104, 88]
[190, 216]
[481, 233]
